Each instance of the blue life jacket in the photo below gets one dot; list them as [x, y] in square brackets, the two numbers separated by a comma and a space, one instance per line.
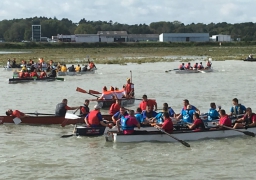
[159, 118]
[139, 117]
[213, 114]
[124, 124]
[188, 115]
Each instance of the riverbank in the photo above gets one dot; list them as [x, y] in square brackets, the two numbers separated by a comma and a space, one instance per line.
[130, 54]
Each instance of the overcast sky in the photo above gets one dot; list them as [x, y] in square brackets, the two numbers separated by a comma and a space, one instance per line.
[134, 11]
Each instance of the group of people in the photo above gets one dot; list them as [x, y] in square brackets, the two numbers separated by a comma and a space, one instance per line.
[146, 115]
[127, 91]
[196, 66]
[89, 67]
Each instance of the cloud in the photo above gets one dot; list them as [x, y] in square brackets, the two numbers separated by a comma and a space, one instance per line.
[133, 11]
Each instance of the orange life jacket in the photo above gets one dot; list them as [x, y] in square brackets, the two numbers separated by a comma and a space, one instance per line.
[92, 118]
[114, 108]
[91, 65]
[42, 75]
[21, 74]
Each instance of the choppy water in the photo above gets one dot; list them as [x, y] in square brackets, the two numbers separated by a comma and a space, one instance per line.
[38, 152]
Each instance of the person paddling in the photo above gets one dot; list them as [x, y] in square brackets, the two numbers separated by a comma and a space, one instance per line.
[237, 108]
[84, 110]
[62, 108]
[94, 118]
[167, 126]
[224, 120]
[128, 123]
[198, 124]
[213, 113]
[16, 113]
[182, 66]
[248, 120]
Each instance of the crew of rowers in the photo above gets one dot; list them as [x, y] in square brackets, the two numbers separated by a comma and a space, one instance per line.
[196, 66]
[146, 115]
[63, 68]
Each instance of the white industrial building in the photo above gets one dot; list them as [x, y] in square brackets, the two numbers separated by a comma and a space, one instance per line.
[184, 37]
[91, 38]
[221, 38]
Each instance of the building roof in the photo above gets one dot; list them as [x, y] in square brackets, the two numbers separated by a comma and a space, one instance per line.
[112, 33]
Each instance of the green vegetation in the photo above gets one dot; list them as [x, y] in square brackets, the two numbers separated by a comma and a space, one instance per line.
[16, 30]
[122, 53]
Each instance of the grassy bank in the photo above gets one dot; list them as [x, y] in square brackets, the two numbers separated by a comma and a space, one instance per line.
[127, 53]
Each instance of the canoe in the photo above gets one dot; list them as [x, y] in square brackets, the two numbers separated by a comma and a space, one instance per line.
[105, 104]
[89, 131]
[46, 120]
[185, 135]
[250, 60]
[11, 69]
[22, 80]
[193, 71]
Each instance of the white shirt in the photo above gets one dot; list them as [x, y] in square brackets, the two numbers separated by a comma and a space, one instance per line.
[106, 96]
[119, 95]
[8, 64]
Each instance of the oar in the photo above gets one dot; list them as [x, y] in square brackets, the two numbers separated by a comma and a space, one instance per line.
[84, 91]
[94, 92]
[168, 71]
[60, 79]
[69, 116]
[69, 135]
[41, 114]
[248, 133]
[182, 142]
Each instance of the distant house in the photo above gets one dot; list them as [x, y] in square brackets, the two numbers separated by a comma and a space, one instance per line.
[142, 37]
[221, 38]
[112, 36]
[184, 37]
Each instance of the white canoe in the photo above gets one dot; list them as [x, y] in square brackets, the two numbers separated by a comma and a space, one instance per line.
[182, 135]
[193, 71]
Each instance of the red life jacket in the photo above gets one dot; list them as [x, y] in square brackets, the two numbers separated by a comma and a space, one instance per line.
[33, 74]
[26, 75]
[181, 66]
[42, 75]
[21, 74]
[195, 66]
[114, 108]
[128, 88]
[93, 119]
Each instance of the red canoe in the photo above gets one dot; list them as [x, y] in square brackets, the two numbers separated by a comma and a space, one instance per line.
[46, 120]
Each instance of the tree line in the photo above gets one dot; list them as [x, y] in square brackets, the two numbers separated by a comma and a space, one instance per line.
[16, 30]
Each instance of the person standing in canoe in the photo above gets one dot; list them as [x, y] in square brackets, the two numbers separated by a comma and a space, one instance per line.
[94, 118]
[183, 110]
[84, 110]
[147, 102]
[167, 126]
[128, 123]
[62, 108]
[248, 120]
[16, 113]
[237, 108]
[129, 88]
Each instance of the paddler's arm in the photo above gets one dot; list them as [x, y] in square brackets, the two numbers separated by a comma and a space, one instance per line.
[71, 108]
[118, 125]
[86, 120]
[101, 120]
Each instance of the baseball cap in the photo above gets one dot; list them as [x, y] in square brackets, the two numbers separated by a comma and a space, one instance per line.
[97, 106]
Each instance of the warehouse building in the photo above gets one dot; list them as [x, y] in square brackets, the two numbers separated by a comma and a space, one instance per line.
[142, 37]
[112, 36]
[184, 37]
[220, 38]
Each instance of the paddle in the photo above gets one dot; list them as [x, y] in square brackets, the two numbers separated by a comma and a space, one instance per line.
[41, 114]
[168, 71]
[131, 75]
[60, 79]
[69, 116]
[248, 133]
[17, 120]
[182, 142]
[84, 91]
[94, 92]
[69, 135]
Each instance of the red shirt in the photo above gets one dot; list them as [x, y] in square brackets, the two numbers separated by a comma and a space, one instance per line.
[225, 121]
[67, 107]
[168, 125]
[17, 114]
[253, 117]
[33, 74]
[132, 121]
[114, 108]
[149, 102]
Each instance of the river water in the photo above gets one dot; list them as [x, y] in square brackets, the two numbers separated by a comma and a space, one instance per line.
[38, 152]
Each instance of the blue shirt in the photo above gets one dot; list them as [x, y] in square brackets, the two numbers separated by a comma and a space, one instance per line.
[159, 118]
[139, 117]
[118, 115]
[145, 113]
[242, 109]
[183, 111]
[213, 114]
[171, 112]
[188, 115]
